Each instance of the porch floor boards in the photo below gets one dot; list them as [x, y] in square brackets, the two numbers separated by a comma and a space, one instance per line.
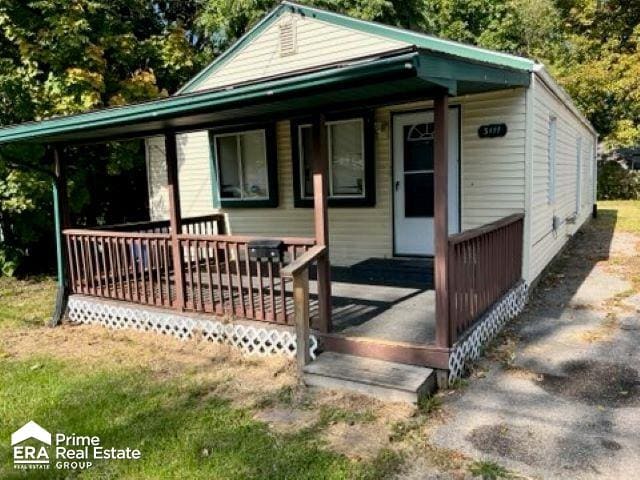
[387, 299]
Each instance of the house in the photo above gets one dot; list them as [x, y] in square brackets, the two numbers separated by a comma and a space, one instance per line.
[338, 186]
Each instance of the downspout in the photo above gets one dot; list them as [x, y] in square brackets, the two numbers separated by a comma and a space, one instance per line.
[56, 177]
[61, 295]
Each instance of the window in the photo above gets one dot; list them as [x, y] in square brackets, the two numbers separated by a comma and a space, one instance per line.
[552, 159]
[350, 151]
[578, 174]
[418, 170]
[245, 163]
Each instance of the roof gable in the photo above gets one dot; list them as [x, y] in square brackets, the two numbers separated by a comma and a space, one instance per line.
[323, 37]
[288, 41]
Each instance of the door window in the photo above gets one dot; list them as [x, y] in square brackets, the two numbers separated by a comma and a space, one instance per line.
[418, 170]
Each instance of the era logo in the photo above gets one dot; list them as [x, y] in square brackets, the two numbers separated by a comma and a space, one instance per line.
[29, 456]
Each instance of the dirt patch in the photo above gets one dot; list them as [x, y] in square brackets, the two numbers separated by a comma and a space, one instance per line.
[357, 441]
[610, 444]
[596, 383]
[508, 441]
[238, 378]
[284, 420]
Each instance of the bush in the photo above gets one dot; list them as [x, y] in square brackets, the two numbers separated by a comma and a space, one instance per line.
[9, 260]
[615, 182]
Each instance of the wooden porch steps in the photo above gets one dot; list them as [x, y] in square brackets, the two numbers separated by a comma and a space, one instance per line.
[388, 381]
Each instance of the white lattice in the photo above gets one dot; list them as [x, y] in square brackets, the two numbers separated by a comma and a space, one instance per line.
[470, 348]
[249, 339]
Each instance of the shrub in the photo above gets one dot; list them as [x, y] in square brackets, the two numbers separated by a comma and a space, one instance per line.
[615, 182]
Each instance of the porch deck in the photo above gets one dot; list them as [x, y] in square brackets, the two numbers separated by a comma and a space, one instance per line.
[385, 299]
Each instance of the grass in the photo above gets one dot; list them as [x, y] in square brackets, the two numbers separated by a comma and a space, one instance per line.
[181, 432]
[184, 423]
[488, 470]
[26, 303]
[625, 213]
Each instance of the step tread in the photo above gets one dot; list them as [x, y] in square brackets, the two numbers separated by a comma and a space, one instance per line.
[369, 371]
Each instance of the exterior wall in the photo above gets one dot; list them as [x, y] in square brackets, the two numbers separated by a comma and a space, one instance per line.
[492, 180]
[194, 176]
[546, 242]
[317, 43]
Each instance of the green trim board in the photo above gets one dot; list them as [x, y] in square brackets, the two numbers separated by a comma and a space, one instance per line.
[158, 111]
[363, 81]
[411, 38]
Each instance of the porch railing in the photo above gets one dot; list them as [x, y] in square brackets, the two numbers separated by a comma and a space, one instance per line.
[219, 275]
[137, 267]
[202, 225]
[484, 263]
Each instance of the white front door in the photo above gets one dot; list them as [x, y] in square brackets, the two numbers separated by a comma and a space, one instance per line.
[413, 181]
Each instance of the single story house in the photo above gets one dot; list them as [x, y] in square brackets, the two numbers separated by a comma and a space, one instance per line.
[337, 188]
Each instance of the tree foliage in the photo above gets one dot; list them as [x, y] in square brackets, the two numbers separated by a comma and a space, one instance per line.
[65, 56]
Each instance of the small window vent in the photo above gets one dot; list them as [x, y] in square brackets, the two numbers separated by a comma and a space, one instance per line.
[288, 42]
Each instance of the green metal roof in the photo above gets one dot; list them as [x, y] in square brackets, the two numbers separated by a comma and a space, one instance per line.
[181, 111]
[420, 40]
[394, 76]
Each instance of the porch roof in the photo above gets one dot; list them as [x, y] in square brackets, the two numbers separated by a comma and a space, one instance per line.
[404, 73]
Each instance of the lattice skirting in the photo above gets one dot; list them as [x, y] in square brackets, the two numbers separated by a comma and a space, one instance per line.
[250, 340]
[470, 347]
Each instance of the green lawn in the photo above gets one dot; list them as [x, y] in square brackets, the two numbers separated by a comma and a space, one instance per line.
[181, 431]
[626, 214]
[177, 418]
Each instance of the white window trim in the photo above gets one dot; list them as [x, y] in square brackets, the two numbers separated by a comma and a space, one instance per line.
[552, 157]
[240, 164]
[330, 171]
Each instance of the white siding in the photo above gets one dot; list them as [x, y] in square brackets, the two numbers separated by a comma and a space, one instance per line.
[157, 179]
[317, 43]
[194, 176]
[545, 242]
[492, 181]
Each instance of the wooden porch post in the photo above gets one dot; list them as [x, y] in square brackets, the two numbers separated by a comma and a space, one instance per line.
[320, 205]
[175, 218]
[61, 221]
[441, 219]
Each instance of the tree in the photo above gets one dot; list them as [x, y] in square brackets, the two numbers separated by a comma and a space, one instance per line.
[61, 57]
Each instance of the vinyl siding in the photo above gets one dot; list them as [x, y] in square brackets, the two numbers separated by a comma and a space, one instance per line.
[545, 242]
[318, 43]
[194, 175]
[492, 181]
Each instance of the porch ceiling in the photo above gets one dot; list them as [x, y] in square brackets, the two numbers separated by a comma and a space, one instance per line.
[371, 81]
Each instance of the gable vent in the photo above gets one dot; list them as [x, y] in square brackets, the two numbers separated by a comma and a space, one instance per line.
[287, 37]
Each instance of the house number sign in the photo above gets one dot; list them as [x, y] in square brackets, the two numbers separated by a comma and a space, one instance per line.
[492, 130]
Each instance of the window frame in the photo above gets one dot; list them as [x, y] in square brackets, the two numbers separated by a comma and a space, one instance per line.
[270, 146]
[552, 147]
[368, 198]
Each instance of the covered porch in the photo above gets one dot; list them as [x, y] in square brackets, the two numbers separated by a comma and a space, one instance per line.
[408, 311]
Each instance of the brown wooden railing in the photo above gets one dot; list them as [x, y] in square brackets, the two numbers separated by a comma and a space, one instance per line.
[213, 224]
[219, 276]
[136, 267]
[298, 272]
[484, 263]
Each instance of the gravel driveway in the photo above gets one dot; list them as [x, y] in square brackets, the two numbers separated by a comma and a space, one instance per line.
[559, 396]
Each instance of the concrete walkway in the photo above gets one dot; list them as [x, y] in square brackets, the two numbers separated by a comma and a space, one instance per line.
[559, 397]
